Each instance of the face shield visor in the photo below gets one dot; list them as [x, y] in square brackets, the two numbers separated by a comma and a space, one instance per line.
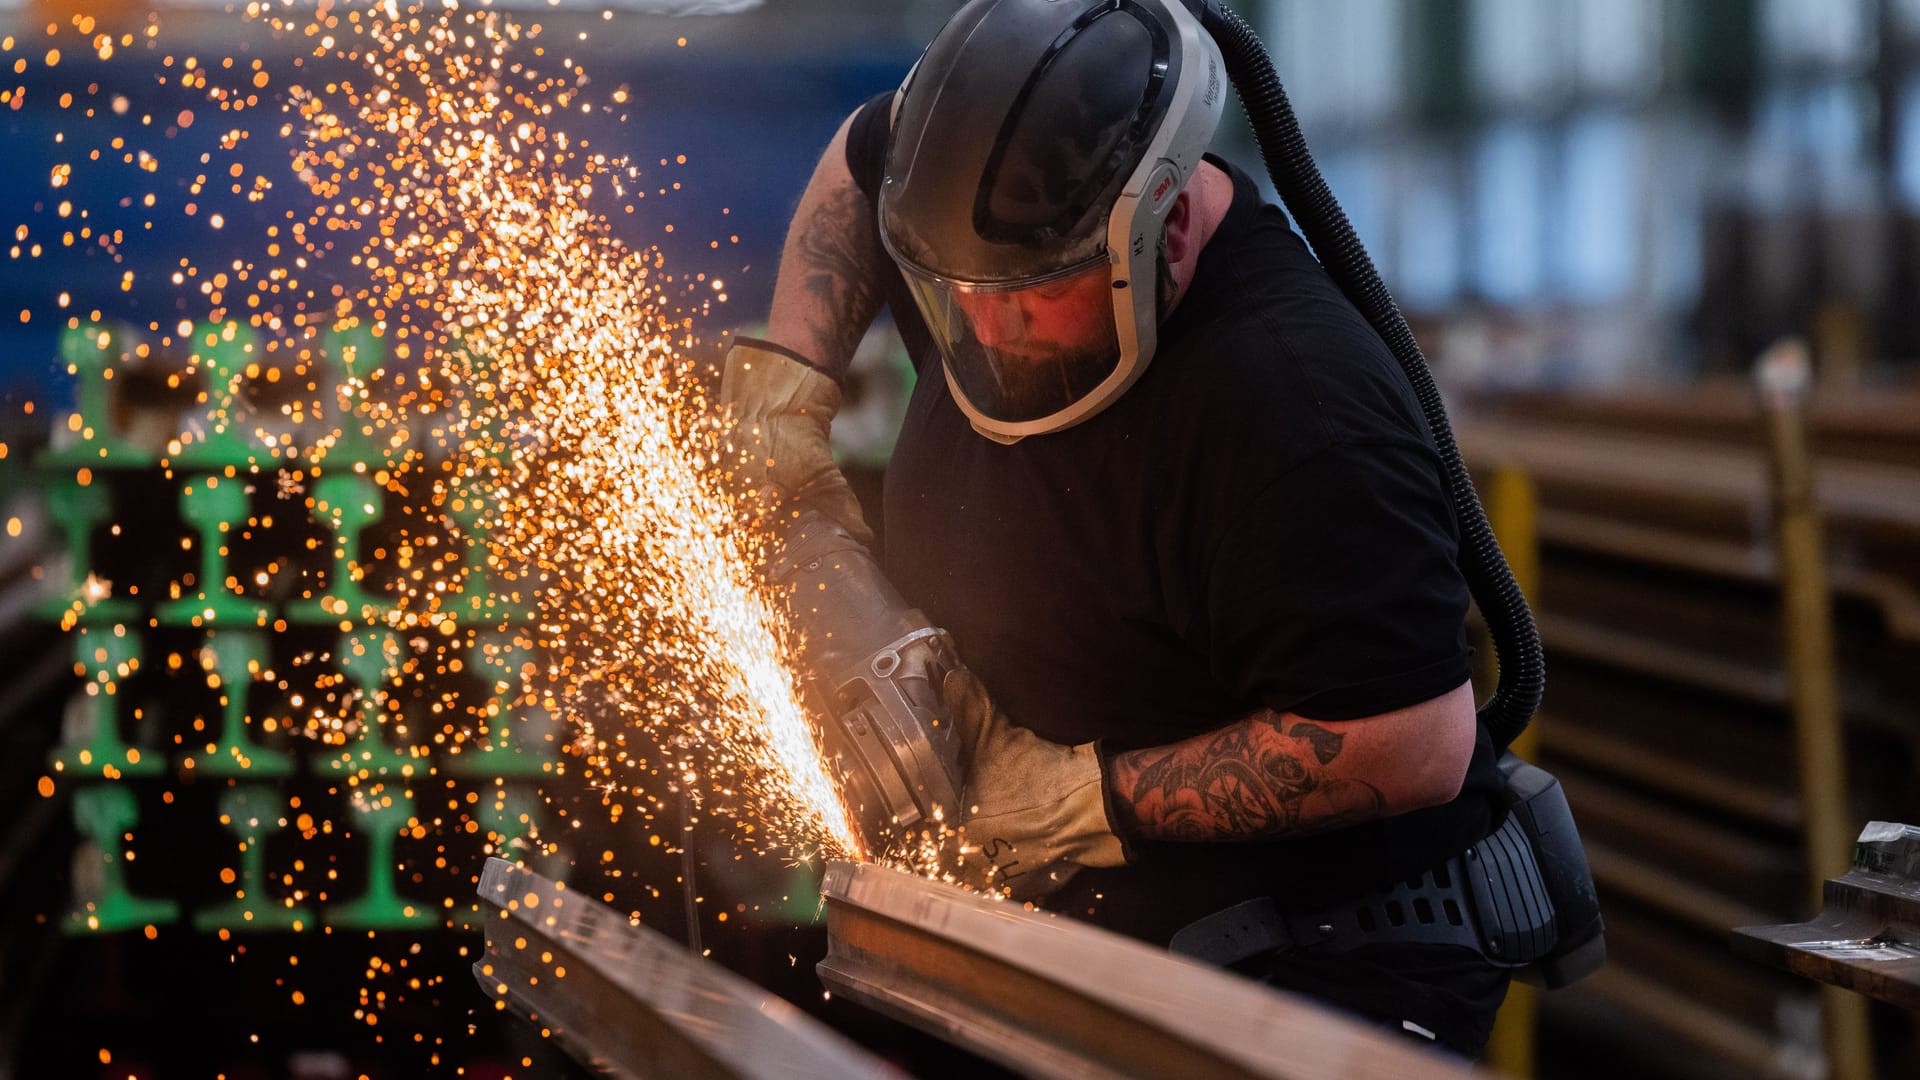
[1023, 352]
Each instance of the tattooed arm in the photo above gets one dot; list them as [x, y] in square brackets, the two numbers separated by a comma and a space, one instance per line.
[828, 288]
[1276, 774]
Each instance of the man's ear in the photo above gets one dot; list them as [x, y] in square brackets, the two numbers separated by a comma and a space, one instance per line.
[1179, 227]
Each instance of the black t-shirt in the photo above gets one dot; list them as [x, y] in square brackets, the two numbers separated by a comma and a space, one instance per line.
[1260, 521]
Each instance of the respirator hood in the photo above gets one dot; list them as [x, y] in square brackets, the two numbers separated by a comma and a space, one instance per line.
[1035, 151]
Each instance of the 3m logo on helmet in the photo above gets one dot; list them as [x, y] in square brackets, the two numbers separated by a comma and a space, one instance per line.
[1160, 192]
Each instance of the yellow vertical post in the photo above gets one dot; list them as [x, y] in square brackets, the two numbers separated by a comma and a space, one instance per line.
[1512, 510]
[1783, 377]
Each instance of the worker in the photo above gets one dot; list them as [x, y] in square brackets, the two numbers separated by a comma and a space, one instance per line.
[1169, 493]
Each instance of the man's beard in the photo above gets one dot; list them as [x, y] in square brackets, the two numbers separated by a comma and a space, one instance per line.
[1016, 390]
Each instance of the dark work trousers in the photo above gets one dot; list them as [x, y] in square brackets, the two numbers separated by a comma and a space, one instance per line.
[1447, 990]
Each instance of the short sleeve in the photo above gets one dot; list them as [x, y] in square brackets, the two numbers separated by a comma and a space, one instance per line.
[1336, 592]
[867, 142]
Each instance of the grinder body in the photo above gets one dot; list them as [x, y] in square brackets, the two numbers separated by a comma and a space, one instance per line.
[873, 672]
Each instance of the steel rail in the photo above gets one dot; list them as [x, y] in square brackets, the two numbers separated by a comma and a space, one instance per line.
[1867, 936]
[1051, 997]
[633, 1003]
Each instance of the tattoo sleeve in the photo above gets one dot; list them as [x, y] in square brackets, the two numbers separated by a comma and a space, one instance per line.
[1269, 775]
[828, 288]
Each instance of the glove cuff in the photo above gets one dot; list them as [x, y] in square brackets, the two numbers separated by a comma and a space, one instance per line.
[764, 345]
[783, 408]
[1119, 822]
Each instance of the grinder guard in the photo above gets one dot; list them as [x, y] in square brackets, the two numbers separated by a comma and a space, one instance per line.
[874, 669]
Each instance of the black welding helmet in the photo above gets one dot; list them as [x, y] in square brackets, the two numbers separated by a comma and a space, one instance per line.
[1036, 149]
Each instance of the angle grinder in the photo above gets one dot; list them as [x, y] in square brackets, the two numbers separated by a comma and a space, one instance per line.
[873, 671]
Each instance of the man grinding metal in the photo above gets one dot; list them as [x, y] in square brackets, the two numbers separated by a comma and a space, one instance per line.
[1167, 490]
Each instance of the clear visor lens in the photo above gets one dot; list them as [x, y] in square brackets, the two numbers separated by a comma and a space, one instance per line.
[1024, 353]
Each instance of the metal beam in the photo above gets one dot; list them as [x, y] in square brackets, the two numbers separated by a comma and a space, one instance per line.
[1050, 997]
[633, 1003]
[1867, 938]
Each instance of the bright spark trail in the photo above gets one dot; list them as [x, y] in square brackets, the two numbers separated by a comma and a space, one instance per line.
[575, 409]
[538, 377]
[539, 389]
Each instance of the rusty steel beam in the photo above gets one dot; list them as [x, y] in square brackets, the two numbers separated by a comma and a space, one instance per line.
[632, 1003]
[1050, 997]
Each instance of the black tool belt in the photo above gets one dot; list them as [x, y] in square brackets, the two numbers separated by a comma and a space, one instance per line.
[1523, 898]
[1489, 898]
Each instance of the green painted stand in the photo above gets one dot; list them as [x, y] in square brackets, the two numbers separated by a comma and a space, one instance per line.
[349, 356]
[368, 659]
[508, 815]
[480, 426]
[495, 658]
[105, 813]
[252, 813]
[93, 353]
[223, 351]
[79, 508]
[474, 601]
[478, 603]
[107, 656]
[385, 813]
[347, 502]
[482, 444]
[214, 505]
[238, 658]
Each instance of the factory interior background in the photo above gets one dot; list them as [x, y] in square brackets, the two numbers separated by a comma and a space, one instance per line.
[1598, 215]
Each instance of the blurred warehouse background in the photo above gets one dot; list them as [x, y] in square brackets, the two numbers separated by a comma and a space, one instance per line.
[1597, 214]
[1596, 193]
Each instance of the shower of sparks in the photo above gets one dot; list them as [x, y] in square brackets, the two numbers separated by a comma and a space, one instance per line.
[435, 323]
[496, 357]
[559, 379]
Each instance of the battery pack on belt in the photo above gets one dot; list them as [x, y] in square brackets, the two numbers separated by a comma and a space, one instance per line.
[1492, 898]
[1489, 899]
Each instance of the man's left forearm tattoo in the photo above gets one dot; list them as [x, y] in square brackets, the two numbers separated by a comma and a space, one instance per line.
[836, 256]
[1266, 776]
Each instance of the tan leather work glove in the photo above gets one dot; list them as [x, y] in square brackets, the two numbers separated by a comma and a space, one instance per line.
[1034, 812]
[781, 409]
